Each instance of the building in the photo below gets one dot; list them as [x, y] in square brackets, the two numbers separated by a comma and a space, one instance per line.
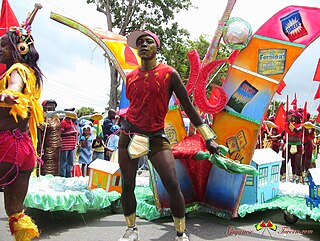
[259, 189]
[105, 174]
[313, 199]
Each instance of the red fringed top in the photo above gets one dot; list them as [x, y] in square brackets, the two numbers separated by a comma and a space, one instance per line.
[148, 93]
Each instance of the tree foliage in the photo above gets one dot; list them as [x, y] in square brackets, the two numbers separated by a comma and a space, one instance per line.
[273, 107]
[129, 15]
[201, 45]
[83, 111]
[124, 16]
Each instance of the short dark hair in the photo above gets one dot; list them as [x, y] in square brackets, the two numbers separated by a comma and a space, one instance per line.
[51, 101]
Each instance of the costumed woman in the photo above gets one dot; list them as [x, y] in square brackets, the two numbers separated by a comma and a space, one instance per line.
[20, 115]
[149, 88]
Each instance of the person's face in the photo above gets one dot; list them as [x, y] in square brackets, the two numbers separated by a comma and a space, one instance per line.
[111, 114]
[147, 47]
[5, 50]
[274, 131]
[49, 107]
[86, 131]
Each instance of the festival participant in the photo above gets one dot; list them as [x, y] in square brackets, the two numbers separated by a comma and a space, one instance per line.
[108, 122]
[20, 114]
[85, 154]
[149, 89]
[113, 140]
[294, 144]
[317, 146]
[308, 145]
[98, 147]
[276, 136]
[49, 138]
[69, 138]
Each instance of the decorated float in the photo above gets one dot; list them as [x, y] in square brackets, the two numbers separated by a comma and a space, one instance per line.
[210, 183]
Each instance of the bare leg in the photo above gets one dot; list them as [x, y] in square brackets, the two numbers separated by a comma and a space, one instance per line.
[164, 163]
[128, 171]
[22, 226]
[15, 193]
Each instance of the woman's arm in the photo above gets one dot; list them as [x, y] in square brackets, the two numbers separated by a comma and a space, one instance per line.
[16, 84]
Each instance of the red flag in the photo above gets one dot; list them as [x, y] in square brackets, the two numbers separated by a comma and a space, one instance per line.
[281, 86]
[294, 103]
[7, 18]
[233, 56]
[316, 76]
[318, 118]
[280, 119]
[317, 95]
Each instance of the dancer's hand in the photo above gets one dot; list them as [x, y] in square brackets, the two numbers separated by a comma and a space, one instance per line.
[212, 146]
[9, 99]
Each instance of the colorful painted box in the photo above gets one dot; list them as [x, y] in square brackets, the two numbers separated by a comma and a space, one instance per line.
[105, 174]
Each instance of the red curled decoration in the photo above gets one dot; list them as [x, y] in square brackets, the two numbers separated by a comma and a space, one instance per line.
[200, 95]
[194, 60]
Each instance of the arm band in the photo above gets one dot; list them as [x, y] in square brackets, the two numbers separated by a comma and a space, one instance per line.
[206, 132]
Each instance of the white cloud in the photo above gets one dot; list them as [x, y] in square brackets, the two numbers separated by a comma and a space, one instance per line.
[84, 85]
[74, 67]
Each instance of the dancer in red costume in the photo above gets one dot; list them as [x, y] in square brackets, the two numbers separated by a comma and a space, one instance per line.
[276, 135]
[20, 114]
[149, 89]
[309, 145]
[294, 145]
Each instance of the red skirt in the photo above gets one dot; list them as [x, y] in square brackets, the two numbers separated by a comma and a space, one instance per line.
[16, 147]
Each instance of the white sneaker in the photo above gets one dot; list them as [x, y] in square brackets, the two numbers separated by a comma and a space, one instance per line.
[184, 237]
[131, 235]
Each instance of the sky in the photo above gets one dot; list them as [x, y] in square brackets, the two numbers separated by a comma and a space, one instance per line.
[76, 71]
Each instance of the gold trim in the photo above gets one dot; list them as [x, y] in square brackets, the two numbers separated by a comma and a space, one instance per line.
[180, 224]
[206, 132]
[131, 220]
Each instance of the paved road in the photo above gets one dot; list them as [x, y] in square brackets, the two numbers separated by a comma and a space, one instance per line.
[104, 226]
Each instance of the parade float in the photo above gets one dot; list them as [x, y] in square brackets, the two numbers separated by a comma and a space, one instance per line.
[210, 183]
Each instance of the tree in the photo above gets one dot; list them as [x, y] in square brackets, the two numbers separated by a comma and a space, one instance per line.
[201, 45]
[83, 111]
[129, 15]
[273, 107]
[176, 56]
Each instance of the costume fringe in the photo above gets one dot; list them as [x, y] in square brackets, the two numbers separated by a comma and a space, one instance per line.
[22, 227]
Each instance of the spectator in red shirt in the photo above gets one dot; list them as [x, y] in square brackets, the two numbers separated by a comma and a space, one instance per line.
[69, 137]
